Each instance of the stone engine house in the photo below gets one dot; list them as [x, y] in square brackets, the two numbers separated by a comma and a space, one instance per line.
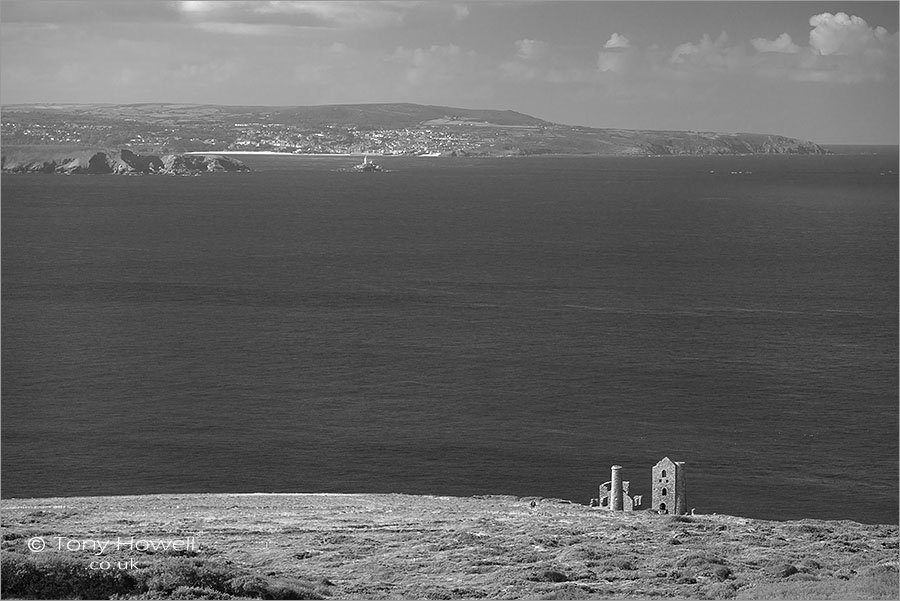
[668, 494]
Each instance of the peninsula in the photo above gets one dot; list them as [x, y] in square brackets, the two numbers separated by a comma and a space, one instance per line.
[119, 162]
[391, 546]
[397, 129]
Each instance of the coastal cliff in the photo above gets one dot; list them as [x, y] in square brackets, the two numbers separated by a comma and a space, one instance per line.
[122, 162]
[388, 546]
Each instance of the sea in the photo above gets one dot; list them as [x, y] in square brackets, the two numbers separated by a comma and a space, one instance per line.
[460, 326]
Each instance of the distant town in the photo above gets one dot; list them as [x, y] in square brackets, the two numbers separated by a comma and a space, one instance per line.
[254, 136]
[399, 129]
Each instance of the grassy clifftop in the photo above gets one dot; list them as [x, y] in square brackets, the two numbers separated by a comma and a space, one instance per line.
[398, 546]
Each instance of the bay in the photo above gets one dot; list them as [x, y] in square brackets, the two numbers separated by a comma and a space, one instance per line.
[460, 327]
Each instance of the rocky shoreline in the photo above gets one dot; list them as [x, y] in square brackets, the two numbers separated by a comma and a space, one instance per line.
[122, 162]
[391, 546]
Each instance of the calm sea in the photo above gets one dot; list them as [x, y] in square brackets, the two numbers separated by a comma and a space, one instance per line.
[460, 327]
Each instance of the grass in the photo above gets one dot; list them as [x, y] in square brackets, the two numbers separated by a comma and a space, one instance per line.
[879, 586]
[400, 547]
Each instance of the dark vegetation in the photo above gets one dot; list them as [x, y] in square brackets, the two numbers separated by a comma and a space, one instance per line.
[55, 576]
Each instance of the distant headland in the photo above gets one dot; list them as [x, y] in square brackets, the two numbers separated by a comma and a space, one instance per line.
[397, 129]
[117, 162]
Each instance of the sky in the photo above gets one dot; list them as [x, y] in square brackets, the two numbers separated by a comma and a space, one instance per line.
[821, 71]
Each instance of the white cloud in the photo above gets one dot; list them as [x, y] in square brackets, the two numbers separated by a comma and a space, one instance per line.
[368, 15]
[614, 62]
[617, 55]
[844, 35]
[843, 49]
[350, 14]
[782, 43]
[531, 49]
[706, 56]
[330, 15]
[460, 11]
[242, 28]
[617, 41]
[196, 6]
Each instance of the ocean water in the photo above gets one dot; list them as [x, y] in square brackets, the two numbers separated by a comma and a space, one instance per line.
[460, 327]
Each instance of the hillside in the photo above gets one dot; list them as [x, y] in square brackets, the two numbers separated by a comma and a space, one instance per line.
[394, 129]
[399, 546]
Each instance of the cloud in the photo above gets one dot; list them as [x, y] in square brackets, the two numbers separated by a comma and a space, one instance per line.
[617, 41]
[782, 43]
[842, 49]
[538, 61]
[196, 6]
[460, 11]
[243, 28]
[617, 55]
[335, 15]
[349, 15]
[611, 62]
[437, 65]
[86, 11]
[844, 35]
[323, 65]
[705, 60]
[531, 49]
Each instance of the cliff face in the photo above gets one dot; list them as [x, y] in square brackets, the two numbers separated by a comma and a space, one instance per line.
[681, 143]
[625, 142]
[123, 162]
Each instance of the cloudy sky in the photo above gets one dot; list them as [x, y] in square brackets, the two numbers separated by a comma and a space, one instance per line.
[825, 71]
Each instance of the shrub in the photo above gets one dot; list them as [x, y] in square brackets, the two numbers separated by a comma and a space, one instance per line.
[169, 574]
[59, 577]
[550, 576]
[51, 576]
[571, 592]
[183, 576]
[620, 563]
[263, 588]
[786, 570]
[682, 518]
[698, 560]
[193, 592]
[718, 590]
[722, 572]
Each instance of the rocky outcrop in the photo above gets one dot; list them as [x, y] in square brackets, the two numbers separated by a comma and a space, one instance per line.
[180, 164]
[143, 164]
[702, 143]
[123, 162]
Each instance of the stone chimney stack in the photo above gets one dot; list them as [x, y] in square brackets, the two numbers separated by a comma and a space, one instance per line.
[615, 497]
